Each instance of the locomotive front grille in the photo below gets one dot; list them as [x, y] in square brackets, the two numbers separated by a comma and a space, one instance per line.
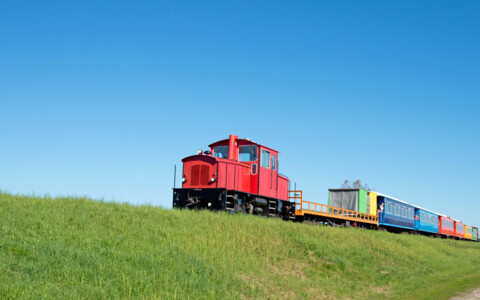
[195, 174]
[200, 175]
[205, 176]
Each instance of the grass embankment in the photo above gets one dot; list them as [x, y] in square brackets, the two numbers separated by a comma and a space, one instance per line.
[78, 248]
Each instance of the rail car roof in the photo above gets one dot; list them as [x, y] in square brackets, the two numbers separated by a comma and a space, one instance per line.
[416, 206]
[432, 212]
[387, 196]
[248, 141]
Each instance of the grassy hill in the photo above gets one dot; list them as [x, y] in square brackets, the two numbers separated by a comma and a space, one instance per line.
[79, 248]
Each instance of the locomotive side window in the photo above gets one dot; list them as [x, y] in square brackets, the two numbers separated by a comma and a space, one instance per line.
[220, 151]
[247, 153]
[265, 159]
[274, 163]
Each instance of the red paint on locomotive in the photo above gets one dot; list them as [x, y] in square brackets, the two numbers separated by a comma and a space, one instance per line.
[237, 164]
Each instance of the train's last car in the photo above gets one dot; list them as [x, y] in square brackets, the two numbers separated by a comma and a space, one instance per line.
[235, 175]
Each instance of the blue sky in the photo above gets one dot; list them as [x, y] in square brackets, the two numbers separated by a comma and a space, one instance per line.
[104, 98]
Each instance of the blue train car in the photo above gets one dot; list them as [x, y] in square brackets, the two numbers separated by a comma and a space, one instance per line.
[395, 213]
[426, 221]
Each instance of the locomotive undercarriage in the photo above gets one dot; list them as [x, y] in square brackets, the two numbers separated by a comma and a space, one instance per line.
[233, 201]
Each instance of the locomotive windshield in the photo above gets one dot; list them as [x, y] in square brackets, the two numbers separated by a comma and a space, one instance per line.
[247, 153]
[220, 151]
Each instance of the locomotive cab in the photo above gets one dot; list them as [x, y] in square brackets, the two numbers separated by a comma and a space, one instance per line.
[236, 174]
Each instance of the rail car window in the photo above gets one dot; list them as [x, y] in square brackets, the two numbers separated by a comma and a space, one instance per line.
[265, 159]
[274, 163]
[220, 151]
[247, 153]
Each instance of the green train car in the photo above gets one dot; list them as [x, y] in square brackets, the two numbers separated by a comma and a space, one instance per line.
[475, 234]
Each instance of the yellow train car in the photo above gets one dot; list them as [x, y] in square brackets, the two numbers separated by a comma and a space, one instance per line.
[373, 203]
[468, 232]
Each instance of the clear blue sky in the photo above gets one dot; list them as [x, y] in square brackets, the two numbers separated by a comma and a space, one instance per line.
[103, 98]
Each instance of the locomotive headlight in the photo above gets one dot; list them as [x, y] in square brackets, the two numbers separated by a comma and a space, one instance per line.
[212, 179]
[184, 179]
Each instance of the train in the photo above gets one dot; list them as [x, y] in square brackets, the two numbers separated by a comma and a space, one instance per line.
[241, 176]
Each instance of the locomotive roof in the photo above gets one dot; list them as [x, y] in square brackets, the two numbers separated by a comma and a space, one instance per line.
[246, 141]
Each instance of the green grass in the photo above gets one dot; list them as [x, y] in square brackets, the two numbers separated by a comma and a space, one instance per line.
[78, 248]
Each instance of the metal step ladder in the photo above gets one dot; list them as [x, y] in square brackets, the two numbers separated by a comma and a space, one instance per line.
[230, 205]
[272, 208]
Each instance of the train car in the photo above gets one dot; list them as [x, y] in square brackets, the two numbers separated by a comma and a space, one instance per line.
[352, 199]
[395, 214]
[468, 232]
[475, 234]
[446, 226]
[459, 230]
[235, 175]
[426, 221]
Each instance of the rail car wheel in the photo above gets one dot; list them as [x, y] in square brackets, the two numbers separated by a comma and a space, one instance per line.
[240, 204]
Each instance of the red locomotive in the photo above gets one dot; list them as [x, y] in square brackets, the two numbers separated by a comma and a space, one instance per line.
[235, 175]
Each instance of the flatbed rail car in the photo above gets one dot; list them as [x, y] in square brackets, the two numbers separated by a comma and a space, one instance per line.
[306, 211]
